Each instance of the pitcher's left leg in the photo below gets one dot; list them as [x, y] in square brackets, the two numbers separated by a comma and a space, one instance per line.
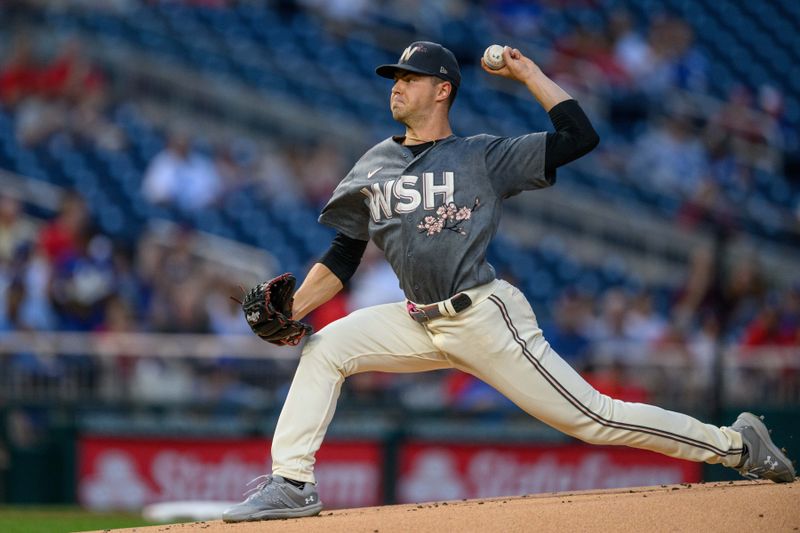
[505, 348]
[382, 338]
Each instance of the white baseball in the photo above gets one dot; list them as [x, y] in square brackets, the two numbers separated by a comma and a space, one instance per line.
[493, 57]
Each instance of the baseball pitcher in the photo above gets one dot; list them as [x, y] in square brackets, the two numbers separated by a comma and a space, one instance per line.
[432, 201]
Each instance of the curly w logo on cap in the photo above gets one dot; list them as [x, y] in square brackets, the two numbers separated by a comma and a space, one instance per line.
[409, 51]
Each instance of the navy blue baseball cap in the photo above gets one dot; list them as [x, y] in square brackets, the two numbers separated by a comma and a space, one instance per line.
[424, 57]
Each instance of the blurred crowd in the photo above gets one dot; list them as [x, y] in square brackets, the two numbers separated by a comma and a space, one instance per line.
[190, 178]
[665, 139]
[65, 94]
[63, 274]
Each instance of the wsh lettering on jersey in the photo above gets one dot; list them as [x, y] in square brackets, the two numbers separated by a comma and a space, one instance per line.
[402, 195]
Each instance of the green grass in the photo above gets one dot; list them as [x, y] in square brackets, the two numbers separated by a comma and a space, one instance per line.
[21, 519]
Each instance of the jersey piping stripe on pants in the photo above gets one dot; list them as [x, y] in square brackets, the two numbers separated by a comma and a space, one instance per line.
[585, 410]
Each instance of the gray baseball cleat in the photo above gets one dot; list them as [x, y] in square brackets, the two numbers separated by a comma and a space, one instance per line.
[763, 460]
[274, 498]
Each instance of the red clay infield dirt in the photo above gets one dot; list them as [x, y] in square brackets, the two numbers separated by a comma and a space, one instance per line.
[724, 506]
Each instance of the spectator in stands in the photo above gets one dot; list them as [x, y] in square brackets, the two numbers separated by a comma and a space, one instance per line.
[744, 292]
[610, 332]
[60, 238]
[118, 318]
[725, 168]
[689, 65]
[669, 157]
[233, 164]
[180, 177]
[276, 178]
[224, 313]
[374, 283]
[82, 88]
[12, 294]
[82, 284]
[69, 96]
[698, 293]
[320, 171]
[467, 393]
[566, 333]
[768, 329]
[644, 324]
[34, 271]
[70, 75]
[755, 137]
[179, 262]
[15, 230]
[19, 76]
[334, 309]
[162, 380]
[148, 261]
[780, 132]
[734, 300]
[671, 344]
[183, 309]
[178, 283]
[619, 382]
[25, 368]
[628, 105]
[630, 48]
[783, 134]
[675, 61]
[129, 286]
[222, 387]
[790, 314]
[703, 344]
[570, 65]
[87, 120]
[706, 205]
[38, 118]
[591, 46]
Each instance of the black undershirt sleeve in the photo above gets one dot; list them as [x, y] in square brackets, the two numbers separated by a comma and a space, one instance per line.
[574, 137]
[344, 256]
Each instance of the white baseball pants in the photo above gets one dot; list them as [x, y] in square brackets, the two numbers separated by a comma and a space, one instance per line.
[498, 340]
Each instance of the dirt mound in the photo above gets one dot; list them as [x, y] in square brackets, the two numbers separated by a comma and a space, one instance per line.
[731, 506]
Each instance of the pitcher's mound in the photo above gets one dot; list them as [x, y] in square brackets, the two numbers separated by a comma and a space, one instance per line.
[725, 506]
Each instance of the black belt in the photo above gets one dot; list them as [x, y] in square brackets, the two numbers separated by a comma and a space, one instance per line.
[422, 314]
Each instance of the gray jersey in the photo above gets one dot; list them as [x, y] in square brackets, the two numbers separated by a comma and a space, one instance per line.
[434, 215]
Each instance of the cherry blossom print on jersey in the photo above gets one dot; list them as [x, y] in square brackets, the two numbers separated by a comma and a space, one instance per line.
[448, 217]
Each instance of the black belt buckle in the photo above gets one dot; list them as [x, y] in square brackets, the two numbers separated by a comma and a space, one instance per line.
[460, 302]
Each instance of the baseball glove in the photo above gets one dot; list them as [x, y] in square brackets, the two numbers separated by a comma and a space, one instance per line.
[268, 311]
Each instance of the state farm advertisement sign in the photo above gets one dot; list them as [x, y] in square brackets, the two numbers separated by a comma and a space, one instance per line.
[448, 472]
[128, 473]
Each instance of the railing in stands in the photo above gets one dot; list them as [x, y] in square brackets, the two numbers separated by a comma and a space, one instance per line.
[156, 368]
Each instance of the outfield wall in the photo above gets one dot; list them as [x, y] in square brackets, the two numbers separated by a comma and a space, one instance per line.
[112, 471]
